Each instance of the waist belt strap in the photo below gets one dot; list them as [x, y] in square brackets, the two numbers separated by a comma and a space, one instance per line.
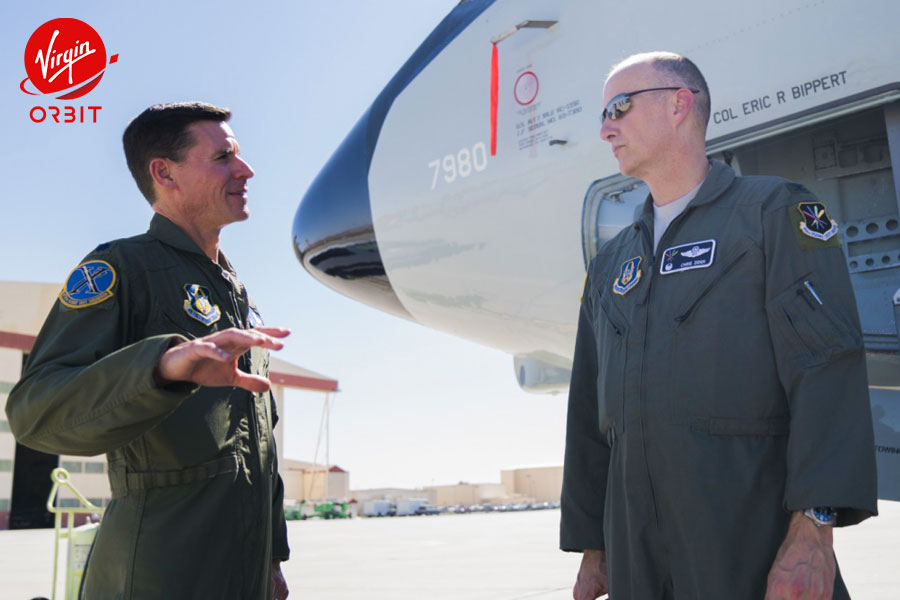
[765, 427]
[121, 481]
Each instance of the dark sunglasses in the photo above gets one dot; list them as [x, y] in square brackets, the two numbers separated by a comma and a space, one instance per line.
[619, 105]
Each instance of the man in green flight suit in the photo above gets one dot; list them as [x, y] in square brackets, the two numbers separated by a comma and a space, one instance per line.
[719, 423]
[155, 354]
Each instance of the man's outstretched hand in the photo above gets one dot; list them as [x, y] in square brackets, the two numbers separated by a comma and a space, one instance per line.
[212, 360]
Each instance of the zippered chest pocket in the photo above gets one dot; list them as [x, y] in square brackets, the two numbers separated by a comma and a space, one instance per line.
[734, 274]
[610, 333]
[717, 345]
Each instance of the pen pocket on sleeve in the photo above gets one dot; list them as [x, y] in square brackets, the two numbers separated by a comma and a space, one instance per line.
[810, 331]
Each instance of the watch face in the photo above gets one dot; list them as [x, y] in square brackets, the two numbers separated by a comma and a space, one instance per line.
[822, 515]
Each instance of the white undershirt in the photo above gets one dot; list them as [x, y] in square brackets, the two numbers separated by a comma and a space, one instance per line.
[664, 215]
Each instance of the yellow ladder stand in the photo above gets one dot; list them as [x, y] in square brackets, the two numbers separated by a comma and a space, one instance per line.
[74, 573]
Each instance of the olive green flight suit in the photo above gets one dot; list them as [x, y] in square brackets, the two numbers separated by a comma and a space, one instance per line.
[196, 508]
[708, 403]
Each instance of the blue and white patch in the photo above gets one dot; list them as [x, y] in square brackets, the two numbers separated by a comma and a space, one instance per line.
[254, 319]
[88, 284]
[629, 276]
[198, 305]
[695, 255]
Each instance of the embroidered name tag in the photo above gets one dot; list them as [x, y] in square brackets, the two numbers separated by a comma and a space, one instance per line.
[695, 255]
[629, 276]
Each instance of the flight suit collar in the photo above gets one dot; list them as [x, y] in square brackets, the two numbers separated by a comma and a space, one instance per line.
[171, 234]
[718, 180]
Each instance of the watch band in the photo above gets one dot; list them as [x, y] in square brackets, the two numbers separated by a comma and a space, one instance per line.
[821, 515]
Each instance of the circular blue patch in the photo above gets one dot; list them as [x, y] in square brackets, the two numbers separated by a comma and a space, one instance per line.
[89, 283]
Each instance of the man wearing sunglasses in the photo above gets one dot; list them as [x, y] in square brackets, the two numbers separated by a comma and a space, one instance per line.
[719, 350]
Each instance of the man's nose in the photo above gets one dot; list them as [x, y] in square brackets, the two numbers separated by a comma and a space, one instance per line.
[607, 129]
[244, 169]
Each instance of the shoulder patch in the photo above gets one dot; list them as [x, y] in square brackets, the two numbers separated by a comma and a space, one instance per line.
[88, 284]
[815, 227]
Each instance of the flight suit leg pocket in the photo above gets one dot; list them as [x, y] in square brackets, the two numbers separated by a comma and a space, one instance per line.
[806, 329]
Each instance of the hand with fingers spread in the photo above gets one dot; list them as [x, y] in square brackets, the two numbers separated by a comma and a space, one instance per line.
[212, 360]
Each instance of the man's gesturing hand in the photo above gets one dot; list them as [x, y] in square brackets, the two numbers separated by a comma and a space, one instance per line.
[212, 359]
[591, 582]
[804, 567]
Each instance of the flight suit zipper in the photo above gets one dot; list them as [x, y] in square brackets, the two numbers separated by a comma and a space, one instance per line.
[256, 468]
[648, 248]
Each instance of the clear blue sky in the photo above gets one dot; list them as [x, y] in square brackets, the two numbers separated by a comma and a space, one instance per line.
[417, 407]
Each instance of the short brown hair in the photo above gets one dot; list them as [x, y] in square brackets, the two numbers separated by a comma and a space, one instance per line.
[161, 131]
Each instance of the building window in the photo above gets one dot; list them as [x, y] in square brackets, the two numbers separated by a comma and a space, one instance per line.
[5, 466]
[93, 467]
[96, 501]
[72, 467]
[4, 504]
[4, 426]
[68, 503]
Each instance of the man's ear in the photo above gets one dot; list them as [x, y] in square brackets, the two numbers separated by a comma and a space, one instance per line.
[683, 104]
[161, 172]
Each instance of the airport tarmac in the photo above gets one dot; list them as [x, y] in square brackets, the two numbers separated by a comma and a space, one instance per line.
[492, 556]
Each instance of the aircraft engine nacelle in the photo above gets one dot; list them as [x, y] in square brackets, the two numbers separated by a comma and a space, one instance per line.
[538, 377]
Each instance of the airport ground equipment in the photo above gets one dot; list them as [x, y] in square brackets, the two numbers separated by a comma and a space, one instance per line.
[80, 538]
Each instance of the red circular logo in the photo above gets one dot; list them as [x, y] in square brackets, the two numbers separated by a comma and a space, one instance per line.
[64, 54]
[526, 88]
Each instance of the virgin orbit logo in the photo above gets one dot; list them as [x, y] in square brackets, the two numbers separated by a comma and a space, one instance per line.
[64, 58]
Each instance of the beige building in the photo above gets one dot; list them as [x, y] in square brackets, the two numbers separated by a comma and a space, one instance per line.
[309, 481]
[466, 494]
[537, 484]
[517, 485]
[25, 473]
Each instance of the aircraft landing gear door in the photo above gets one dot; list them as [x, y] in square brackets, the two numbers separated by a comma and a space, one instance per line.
[610, 205]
